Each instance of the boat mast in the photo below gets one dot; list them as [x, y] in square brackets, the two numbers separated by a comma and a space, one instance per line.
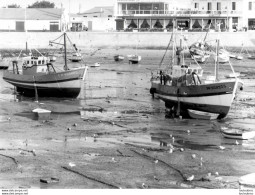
[217, 60]
[65, 67]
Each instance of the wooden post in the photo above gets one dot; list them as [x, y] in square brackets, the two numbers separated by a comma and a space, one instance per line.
[217, 62]
[36, 94]
[65, 67]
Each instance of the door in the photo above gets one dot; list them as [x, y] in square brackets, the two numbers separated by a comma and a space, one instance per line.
[20, 26]
[90, 25]
[119, 24]
[54, 27]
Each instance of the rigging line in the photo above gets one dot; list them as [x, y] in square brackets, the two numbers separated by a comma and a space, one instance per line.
[166, 50]
[57, 38]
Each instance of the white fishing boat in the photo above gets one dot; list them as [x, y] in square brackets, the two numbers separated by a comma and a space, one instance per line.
[134, 59]
[184, 88]
[75, 57]
[239, 57]
[233, 75]
[237, 133]
[223, 56]
[39, 78]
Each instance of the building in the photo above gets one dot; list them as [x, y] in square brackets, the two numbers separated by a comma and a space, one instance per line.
[154, 15]
[231, 15]
[95, 19]
[192, 15]
[30, 19]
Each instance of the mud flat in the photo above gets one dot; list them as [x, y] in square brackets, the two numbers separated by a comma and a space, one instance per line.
[116, 136]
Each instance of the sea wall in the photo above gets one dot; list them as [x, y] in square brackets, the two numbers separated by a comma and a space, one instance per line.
[146, 40]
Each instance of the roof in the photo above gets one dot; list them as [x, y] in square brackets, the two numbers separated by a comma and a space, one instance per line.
[102, 11]
[31, 13]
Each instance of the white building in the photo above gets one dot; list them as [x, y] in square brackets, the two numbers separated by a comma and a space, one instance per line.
[237, 14]
[30, 19]
[95, 19]
[186, 14]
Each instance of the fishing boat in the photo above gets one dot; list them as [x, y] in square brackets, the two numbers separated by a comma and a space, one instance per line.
[199, 51]
[118, 58]
[39, 78]
[75, 57]
[223, 56]
[184, 88]
[251, 57]
[236, 133]
[134, 59]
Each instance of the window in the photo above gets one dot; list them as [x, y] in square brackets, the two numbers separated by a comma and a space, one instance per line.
[218, 6]
[109, 16]
[95, 16]
[85, 16]
[196, 6]
[209, 6]
[124, 6]
[250, 5]
[39, 62]
[43, 62]
[27, 62]
[132, 6]
[233, 5]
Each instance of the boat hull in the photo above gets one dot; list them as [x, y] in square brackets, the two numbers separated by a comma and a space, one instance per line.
[134, 59]
[213, 98]
[62, 84]
[118, 58]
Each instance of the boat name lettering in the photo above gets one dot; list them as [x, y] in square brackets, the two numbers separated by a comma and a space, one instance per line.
[216, 87]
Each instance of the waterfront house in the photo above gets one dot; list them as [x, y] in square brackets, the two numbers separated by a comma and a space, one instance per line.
[95, 19]
[30, 19]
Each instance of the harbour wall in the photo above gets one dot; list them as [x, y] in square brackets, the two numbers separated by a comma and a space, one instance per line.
[117, 40]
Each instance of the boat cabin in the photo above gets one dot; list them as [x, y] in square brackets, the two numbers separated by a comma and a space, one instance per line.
[179, 71]
[35, 65]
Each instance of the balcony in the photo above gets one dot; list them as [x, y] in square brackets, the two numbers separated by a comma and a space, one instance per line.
[182, 13]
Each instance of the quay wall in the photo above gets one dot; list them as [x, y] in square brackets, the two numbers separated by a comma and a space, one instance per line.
[114, 40]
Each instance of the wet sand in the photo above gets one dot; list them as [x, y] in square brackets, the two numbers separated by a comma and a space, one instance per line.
[117, 135]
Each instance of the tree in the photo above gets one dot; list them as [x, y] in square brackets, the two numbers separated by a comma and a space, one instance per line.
[42, 4]
[13, 6]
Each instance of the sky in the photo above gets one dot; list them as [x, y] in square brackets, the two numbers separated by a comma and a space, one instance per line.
[74, 5]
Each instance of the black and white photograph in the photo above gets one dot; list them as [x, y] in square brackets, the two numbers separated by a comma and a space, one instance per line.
[134, 95]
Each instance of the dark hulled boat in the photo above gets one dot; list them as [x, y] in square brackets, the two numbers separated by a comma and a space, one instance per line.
[39, 77]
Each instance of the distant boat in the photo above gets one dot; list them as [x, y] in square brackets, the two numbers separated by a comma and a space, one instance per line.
[200, 58]
[118, 58]
[237, 133]
[76, 57]
[223, 56]
[4, 63]
[202, 115]
[134, 59]
[239, 57]
[52, 58]
[95, 65]
[233, 75]
[39, 78]
[251, 57]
